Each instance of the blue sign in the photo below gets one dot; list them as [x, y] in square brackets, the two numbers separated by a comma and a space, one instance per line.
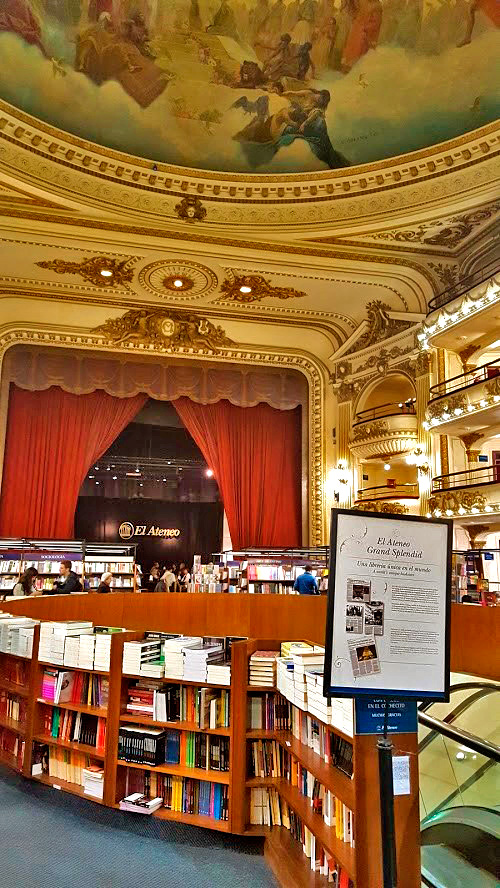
[370, 716]
[483, 457]
[488, 556]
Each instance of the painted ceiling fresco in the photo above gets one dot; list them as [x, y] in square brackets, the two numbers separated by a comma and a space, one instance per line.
[254, 86]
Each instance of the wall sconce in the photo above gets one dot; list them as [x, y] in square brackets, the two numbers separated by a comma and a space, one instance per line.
[418, 458]
[339, 481]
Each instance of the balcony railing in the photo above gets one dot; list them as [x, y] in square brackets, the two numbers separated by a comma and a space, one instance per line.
[465, 380]
[402, 408]
[467, 478]
[388, 491]
[463, 286]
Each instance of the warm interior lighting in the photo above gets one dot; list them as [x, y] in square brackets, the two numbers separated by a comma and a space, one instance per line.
[106, 273]
[387, 467]
[209, 473]
[245, 289]
[178, 282]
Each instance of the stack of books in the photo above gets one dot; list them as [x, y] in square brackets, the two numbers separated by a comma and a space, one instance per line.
[174, 656]
[10, 628]
[102, 650]
[317, 704]
[219, 672]
[86, 651]
[72, 651]
[197, 657]
[49, 682]
[21, 637]
[284, 677]
[141, 698]
[342, 715]
[137, 653]
[142, 745]
[140, 804]
[53, 639]
[93, 781]
[263, 669]
[301, 661]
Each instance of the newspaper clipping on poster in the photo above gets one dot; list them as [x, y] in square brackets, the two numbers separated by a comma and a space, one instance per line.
[389, 600]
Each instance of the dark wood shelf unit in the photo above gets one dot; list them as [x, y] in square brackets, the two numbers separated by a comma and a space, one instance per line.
[71, 744]
[125, 718]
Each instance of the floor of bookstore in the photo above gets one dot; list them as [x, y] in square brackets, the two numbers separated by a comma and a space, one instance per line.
[66, 842]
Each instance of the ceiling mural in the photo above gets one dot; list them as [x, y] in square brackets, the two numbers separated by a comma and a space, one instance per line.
[254, 86]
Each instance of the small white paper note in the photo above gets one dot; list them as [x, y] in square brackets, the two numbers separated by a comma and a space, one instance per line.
[401, 774]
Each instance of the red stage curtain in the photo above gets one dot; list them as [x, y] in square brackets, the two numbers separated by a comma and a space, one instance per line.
[53, 437]
[255, 456]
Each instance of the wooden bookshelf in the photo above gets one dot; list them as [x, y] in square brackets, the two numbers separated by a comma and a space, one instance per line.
[125, 718]
[179, 681]
[65, 668]
[100, 711]
[6, 758]
[12, 725]
[70, 744]
[201, 820]
[65, 786]
[13, 688]
[181, 771]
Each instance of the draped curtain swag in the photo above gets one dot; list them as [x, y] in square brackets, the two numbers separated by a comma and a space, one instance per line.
[53, 437]
[255, 456]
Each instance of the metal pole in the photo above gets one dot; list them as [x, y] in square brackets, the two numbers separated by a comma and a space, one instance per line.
[389, 866]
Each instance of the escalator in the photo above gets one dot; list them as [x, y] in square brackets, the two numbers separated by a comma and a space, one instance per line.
[459, 756]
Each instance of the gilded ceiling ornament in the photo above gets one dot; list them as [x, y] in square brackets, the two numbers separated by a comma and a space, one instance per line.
[191, 209]
[493, 386]
[184, 278]
[470, 439]
[380, 326]
[175, 329]
[99, 270]
[437, 408]
[423, 364]
[467, 353]
[476, 531]
[387, 508]
[254, 288]
[447, 274]
[443, 233]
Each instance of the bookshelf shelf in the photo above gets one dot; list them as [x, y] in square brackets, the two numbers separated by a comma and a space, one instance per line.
[192, 819]
[101, 711]
[175, 725]
[65, 786]
[179, 681]
[70, 744]
[330, 776]
[9, 760]
[261, 689]
[13, 688]
[72, 668]
[11, 725]
[181, 771]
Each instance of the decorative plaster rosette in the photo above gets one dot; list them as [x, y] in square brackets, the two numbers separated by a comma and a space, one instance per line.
[158, 278]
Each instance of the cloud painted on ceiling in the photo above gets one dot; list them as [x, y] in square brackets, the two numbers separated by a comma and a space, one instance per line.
[254, 86]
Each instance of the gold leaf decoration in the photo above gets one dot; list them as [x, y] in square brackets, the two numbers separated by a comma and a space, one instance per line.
[164, 330]
[98, 270]
[387, 508]
[253, 288]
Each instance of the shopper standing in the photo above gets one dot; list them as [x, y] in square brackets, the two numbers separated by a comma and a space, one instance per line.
[306, 584]
[184, 578]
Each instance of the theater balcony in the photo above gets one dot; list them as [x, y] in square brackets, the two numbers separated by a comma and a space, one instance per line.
[468, 402]
[385, 430]
[391, 497]
[473, 493]
[463, 312]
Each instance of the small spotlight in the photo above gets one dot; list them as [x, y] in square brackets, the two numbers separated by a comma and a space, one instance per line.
[96, 468]
[91, 476]
[97, 482]
[387, 467]
[245, 289]
[115, 477]
[106, 273]
[209, 473]
[178, 282]
[164, 479]
[108, 469]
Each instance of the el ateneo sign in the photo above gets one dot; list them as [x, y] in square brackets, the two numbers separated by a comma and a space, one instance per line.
[127, 530]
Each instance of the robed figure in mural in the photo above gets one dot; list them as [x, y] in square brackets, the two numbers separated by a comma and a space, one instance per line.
[17, 17]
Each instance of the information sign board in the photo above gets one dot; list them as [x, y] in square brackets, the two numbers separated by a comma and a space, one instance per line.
[370, 716]
[388, 606]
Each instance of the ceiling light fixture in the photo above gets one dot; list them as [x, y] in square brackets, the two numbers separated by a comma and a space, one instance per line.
[245, 289]
[178, 282]
[106, 273]
[387, 467]
[115, 477]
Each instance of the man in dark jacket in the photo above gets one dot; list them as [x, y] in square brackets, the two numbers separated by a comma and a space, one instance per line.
[68, 583]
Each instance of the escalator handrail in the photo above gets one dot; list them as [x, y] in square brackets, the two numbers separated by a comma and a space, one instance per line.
[462, 707]
[461, 686]
[483, 747]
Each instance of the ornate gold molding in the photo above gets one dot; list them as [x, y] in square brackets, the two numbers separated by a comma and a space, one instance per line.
[453, 500]
[253, 288]
[101, 271]
[376, 506]
[164, 330]
[191, 209]
[380, 326]
[241, 355]
[370, 430]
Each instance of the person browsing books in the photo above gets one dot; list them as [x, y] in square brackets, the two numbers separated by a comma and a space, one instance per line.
[105, 584]
[306, 584]
[167, 581]
[184, 578]
[68, 583]
[26, 582]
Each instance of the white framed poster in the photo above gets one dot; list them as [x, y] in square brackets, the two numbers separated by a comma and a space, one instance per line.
[389, 595]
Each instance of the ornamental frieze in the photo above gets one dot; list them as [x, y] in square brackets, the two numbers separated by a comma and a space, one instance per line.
[175, 329]
[373, 430]
[454, 402]
[453, 500]
[387, 508]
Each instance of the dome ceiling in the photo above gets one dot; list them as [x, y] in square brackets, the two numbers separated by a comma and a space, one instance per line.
[254, 86]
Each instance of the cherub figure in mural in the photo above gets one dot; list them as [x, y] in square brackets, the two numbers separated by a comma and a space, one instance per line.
[17, 16]
[303, 118]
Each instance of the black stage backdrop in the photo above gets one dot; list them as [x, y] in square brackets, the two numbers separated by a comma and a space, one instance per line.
[200, 524]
